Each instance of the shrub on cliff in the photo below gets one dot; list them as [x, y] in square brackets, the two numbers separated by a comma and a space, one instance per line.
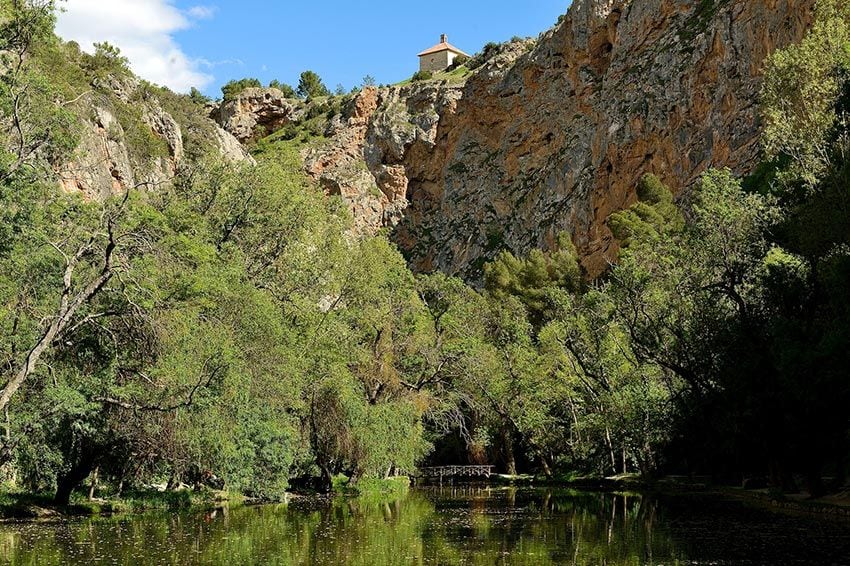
[235, 87]
[106, 60]
[483, 56]
[459, 61]
[310, 85]
[288, 91]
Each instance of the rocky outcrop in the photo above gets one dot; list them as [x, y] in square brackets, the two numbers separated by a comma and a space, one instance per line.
[106, 162]
[101, 166]
[254, 112]
[370, 144]
[554, 137]
[167, 128]
[230, 148]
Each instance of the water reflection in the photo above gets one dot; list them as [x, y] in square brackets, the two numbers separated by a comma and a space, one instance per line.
[544, 527]
[448, 525]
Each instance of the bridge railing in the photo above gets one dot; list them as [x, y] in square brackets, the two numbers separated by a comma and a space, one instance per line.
[457, 471]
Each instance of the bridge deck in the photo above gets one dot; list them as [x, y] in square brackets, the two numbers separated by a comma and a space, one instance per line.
[457, 471]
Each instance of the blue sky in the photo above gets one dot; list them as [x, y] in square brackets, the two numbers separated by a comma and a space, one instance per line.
[204, 43]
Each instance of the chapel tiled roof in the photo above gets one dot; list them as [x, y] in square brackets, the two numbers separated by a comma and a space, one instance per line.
[444, 45]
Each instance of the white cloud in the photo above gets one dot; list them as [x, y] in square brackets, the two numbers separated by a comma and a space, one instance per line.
[201, 12]
[143, 30]
[220, 63]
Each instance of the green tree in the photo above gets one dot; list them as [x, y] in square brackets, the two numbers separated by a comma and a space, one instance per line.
[198, 97]
[310, 85]
[107, 60]
[532, 278]
[803, 84]
[287, 90]
[235, 87]
[618, 408]
[34, 121]
[653, 218]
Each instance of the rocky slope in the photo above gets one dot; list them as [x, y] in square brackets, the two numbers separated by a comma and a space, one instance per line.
[254, 112]
[129, 139]
[553, 136]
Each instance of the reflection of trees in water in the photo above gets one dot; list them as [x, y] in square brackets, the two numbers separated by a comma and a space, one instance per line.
[449, 525]
[543, 527]
[612, 529]
[452, 525]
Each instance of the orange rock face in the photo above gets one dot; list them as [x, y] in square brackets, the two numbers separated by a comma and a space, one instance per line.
[554, 137]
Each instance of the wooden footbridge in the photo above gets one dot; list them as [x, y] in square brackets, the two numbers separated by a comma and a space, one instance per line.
[440, 472]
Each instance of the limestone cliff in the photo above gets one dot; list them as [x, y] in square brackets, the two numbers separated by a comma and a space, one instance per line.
[374, 146]
[254, 112]
[552, 136]
[109, 159]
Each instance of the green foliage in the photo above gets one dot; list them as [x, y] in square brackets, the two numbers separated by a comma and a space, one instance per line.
[459, 61]
[377, 489]
[652, 219]
[198, 97]
[32, 123]
[532, 278]
[422, 76]
[198, 133]
[287, 90]
[224, 330]
[800, 96]
[106, 61]
[310, 86]
[234, 88]
[25, 24]
[143, 144]
[619, 406]
[488, 52]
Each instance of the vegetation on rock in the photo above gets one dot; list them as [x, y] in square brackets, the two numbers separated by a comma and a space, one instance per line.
[310, 86]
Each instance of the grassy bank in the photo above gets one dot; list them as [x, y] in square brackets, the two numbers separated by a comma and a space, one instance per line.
[21, 506]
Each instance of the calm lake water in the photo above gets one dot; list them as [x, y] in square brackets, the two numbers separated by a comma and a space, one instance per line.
[463, 525]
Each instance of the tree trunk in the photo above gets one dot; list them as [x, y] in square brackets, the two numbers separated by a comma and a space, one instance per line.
[611, 450]
[173, 481]
[544, 463]
[66, 483]
[326, 483]
[625, 461]
[508, 451]
[547, 470]
[68, 307]
[93, 484]
[7, 452]
[122, 473]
